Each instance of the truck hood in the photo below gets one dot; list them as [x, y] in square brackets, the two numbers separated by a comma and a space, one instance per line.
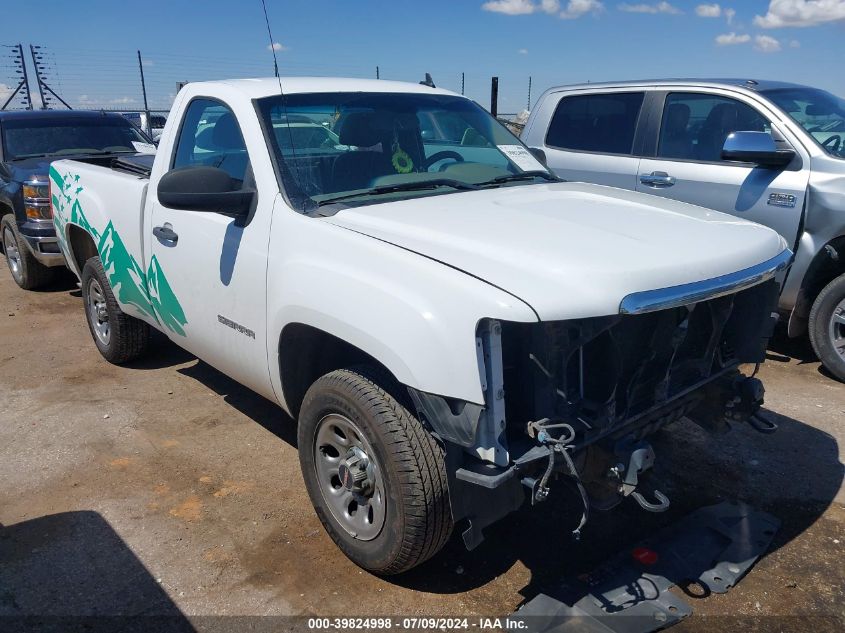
[569, 250]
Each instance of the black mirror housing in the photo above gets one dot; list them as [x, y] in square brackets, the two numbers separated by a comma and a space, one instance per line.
[202, 188]
[756, 147]
[539, 155]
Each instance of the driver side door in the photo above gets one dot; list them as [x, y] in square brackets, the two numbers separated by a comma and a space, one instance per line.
[688, 165]
[207, 269]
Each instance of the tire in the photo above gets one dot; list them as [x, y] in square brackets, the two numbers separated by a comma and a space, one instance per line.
[27, 271]
[408, 474]
[124, 338]
[827, 327]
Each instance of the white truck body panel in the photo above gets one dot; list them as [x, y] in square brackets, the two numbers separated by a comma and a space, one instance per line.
[532, 240]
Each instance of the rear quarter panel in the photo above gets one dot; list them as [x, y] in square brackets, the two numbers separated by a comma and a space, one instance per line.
[107, 205]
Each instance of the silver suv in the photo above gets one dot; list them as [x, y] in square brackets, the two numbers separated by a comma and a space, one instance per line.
[769, 152]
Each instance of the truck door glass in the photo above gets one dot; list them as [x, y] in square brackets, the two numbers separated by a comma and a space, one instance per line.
[603, 123]
[210, 137]
[695, 126]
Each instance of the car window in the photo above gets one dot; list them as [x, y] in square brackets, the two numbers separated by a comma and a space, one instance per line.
[49, 136]
[335, 148]
[603, 123]
[210, 137]
[820, 113]
[695, 126]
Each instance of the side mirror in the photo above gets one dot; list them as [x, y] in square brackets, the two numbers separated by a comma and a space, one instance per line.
[756, 147]
[539, 155]
[203, 189]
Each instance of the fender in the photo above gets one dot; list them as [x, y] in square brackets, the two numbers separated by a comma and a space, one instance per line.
[423, 333]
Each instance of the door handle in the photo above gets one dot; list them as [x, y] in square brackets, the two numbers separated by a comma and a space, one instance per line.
[657, 179]
[166, 233]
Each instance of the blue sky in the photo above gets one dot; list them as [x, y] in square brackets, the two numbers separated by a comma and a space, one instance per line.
[91, 60]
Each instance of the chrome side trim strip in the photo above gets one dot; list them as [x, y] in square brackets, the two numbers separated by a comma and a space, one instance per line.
[676, 296]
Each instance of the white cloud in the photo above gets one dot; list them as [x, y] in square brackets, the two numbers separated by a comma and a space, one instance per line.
[510, 7]
[523, 51]
[659, 7]
[121, 100]
[783, 13]
[576, 8]
[708, 11]
[731, 39]
[794, 44]
[766, 44]
[276, 46]
[729, 15]
[5, 91]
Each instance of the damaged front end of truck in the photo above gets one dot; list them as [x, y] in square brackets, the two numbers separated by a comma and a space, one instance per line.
[572, 402]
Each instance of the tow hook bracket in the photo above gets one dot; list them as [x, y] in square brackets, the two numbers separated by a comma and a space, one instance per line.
[708, 551]
[640, 458]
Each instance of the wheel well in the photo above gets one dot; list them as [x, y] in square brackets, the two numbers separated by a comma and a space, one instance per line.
[82, 246]
[306, 353]
[827, 265]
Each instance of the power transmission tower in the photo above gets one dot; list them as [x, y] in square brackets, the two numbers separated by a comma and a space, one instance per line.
[23, 79]
[38, 64]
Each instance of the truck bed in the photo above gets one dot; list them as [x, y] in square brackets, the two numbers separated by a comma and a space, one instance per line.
[135, 164]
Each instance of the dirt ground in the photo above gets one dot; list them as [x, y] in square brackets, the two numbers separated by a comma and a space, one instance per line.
[164, 488]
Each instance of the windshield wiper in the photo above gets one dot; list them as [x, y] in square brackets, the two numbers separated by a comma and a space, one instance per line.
[403, 186]
[525, 175]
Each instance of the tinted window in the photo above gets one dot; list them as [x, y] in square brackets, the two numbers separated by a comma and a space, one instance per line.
[603, 123]
[210, 137]
[695, 126]
[72, 135]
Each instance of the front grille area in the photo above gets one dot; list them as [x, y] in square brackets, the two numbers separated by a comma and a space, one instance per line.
[601, 372]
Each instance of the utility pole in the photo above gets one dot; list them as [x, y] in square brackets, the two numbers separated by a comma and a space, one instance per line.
[23, 80]
[38, 64]
[149, 124]
[462, 82]
[377, 73]
[494, 97]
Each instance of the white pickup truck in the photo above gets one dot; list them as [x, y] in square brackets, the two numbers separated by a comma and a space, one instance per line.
[453, 328]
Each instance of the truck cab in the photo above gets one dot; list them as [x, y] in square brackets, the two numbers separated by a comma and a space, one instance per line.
[769, 152]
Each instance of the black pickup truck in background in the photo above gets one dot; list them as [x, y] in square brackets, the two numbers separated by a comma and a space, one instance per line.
[29, 142]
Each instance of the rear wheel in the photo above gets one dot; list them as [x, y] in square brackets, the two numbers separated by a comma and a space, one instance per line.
[827, 327]
[27, 271]
[119, 337]
[376, 477]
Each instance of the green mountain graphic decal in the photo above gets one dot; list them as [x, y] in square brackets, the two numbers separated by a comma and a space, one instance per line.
[148, 291]
[126, 277]
[167, 307]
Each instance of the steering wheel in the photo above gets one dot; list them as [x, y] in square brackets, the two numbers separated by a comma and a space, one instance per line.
[832, 144]
[438, 156]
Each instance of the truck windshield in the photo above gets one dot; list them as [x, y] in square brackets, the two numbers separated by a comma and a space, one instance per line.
[30, 137]
[365, 148]
[820, 113]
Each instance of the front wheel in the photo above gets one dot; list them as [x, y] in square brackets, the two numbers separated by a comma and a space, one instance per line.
[376, 477]
[119, 337]
[27, 271]
[827, 327]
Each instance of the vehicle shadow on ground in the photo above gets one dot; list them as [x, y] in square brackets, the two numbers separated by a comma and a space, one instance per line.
[71, 572]
[267, 414]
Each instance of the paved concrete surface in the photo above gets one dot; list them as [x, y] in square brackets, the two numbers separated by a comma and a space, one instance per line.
[166, 488]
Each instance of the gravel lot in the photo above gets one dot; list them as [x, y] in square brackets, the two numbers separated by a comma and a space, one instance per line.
[164, 488]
